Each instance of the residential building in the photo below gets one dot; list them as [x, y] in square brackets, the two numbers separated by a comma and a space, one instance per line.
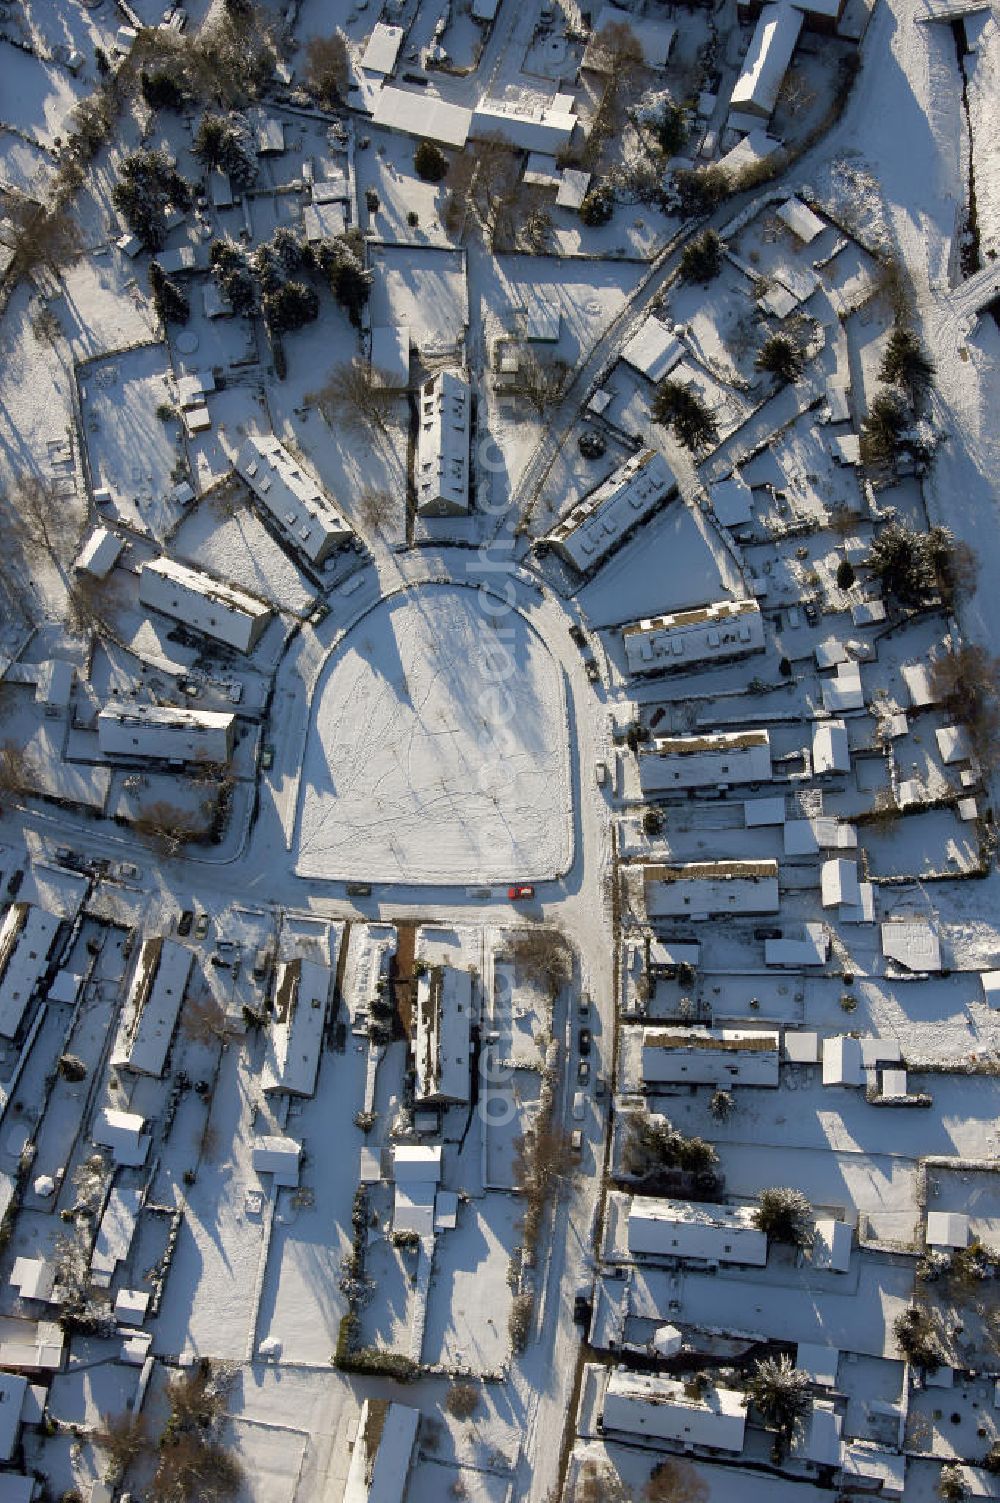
[526, 123]
[123, 1134]
[654, 350]
[830, 750]
[164, 733]
[443, 445]
[686, 639]
[99, 553]
[658, 1408]
[776, 35]
[301, 998]
[204, 604]
[382, 1453]
[692, 1229]
[155, 996]
[703, 889]
[420, 114]
[441, 1038]
[709, 1056]
[27, 939]
[593, 528]
[303, 516]
[704, 761]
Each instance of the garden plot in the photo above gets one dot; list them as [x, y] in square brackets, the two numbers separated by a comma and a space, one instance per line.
[424, 289]
[521, 1011]
[102, 308]
[469, 1298]
[920, 844]
[233, 543]
[676, 560]
[386, 1320]
[387, 167]
[272, 1456]
[408, 777]
[133, 452]
[431, 1480]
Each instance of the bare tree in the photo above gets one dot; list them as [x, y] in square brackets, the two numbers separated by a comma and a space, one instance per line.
[328, 69]
[541, 382]
[42, 235]
[357, 395]
[462, 1400]
[483, 179]
[375, 509]
[93, 604]
[544, 955]
[125, 1437]
[40, 519]
[204, 1020]
[599, 1483]
[167, 827]
[675, 1481]
[967, 681]
[18, 772]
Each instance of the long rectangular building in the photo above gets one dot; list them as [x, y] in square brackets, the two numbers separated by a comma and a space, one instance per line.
[709, 1056]
[301, 999]
[204, 604]
[155, 995]
[660, 1228]
[602, 521]
[443, 445]
[27, 937]
[442, 1029]
[303, 516]
[660, 1408]
[775, 38]
[706, 889]
[704, 761]
[382, 1452]
[686, 639]
[163, 733]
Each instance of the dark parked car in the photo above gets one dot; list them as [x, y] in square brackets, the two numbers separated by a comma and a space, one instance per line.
[585, 1040]
[185, 921]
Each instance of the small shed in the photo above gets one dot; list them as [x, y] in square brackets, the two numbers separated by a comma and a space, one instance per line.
[947, 1229]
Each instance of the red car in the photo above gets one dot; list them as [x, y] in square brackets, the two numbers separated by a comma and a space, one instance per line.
[522, 890]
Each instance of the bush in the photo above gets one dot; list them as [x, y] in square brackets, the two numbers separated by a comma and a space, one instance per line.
[702, 258]
[906, 364]
[72, 1068]
[917, 1338]
[429, 162]
[519, 1321]
[598, 205]
[160, 90]
[951, 1483]
[701, 189]
[680, 408]
[462, 1400]
[780, 357]
[845, 574]
[670, 128]
[785, 1215]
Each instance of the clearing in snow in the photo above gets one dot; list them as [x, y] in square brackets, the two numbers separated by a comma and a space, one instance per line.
[438, 748]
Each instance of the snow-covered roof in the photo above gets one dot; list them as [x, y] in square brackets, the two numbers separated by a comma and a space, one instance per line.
[763, 811]
[811, 949]
[819, 1361]
[572, 190]
[697, 889]
[164, 732]
[422, 114]
[13, 1388]
[278, 1156]
[664, 1409]
[863, 1458]
[33, 1278]
[301, 998]
[830, 750]
[831, 1246]
[383, 1450]
[442, 1033]
[732, 501]
[917, 678]
[417, 1163]
[27, 935]
[842, 1063]
[953, 743]
[817, 1435]
[839, 882]
[121, 1132]
[206, 605]
[526, 122]
[383, 48]
[800, 219]
[131, 1306]
[324, 221]
[305, 517]
[801, 1046]
[601, 522]
[664, 1228]
[114, 1235]
[99, 553]
[726, 629]
[911, 943]
[705, 761]
[947, 1229]
[771, 47]
[696, 1055]
[844, 691]
[653, 350]
[155, 996]
[442, 462]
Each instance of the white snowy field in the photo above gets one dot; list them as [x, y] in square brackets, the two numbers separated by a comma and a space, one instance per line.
[437, 750]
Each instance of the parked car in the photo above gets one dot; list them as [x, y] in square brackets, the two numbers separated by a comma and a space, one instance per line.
[184, 922]
[359, 889]
[601, 773]
[577, 635]
[583, 1071]
[582, 1310]
[585, 1041]
[129, 871]
[267, 757]
[579, 1106]
[201, 925]
[576, 1141]
[812, 611]
[592, 671]
[520, 891]
[583, 1005]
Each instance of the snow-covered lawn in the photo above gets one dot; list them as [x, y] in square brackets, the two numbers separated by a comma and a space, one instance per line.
[437, 750]
[470, 1300]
